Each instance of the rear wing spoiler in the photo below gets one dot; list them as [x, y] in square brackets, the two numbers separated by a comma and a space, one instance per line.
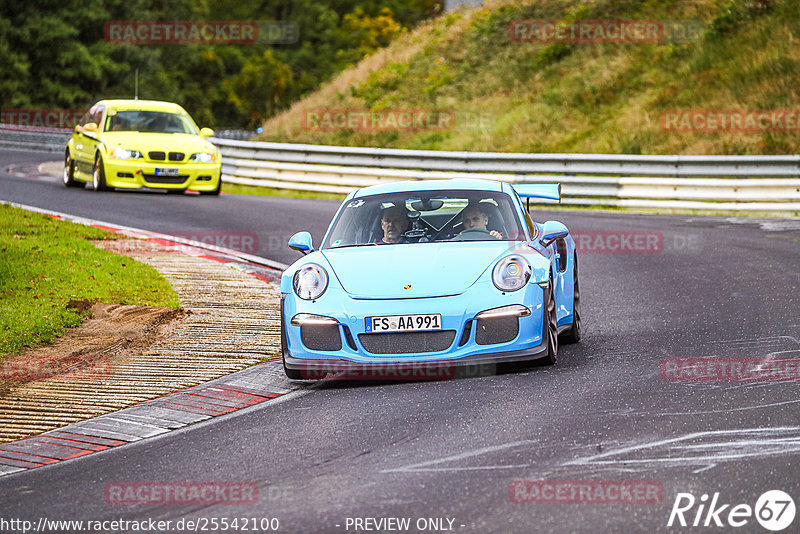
[547, 191]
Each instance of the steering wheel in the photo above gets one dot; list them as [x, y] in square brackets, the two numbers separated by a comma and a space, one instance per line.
[473, 234]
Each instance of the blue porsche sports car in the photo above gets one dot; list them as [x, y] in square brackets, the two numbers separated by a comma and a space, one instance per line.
[446, 273]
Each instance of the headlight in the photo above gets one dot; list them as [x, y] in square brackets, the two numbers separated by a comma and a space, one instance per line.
[310, 281]
[511, 273]
[203, 157]
[122, 153]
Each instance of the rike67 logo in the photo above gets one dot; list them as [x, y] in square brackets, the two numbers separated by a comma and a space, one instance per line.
[774, 510]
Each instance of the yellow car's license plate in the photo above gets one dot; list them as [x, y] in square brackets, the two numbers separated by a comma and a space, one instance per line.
[167, 171]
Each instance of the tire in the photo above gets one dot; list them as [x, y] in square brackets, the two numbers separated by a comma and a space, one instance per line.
[550, 327]
[99, 174]
[573, 335]
[69, 172]
[216, 191]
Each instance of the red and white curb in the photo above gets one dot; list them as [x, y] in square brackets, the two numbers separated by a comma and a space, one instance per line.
[262, 268]
[224, 395]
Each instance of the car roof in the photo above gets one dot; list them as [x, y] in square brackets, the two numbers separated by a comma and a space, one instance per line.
[470, 184]
[148, 105]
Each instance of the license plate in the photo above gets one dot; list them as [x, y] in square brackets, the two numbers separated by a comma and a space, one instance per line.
[403, 323]
[167, 172]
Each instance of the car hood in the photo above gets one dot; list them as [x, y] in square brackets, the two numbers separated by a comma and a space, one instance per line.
[413, 270]
[145, 142]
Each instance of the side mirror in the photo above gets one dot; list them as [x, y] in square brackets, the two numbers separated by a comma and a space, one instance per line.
[552, 231]
[90, 127]
[206, 132]
[301, 242]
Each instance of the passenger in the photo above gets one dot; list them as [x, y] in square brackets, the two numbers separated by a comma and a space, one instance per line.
[394, 222]
[475, 217]
[118, 124]
[158, 124]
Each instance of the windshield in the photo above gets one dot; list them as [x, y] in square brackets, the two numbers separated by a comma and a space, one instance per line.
[136, 120]
[425, 217]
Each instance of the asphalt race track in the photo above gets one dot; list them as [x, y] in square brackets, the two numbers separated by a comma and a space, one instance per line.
[447, 454]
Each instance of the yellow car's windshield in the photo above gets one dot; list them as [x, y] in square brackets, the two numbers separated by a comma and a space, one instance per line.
[136, 120]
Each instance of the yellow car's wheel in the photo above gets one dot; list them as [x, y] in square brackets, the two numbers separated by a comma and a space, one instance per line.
[69, 172]
[215, 191]
[99, 174]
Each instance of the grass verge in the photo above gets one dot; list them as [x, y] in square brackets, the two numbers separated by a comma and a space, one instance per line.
[45, 263]
[605, 97]
[238, 189]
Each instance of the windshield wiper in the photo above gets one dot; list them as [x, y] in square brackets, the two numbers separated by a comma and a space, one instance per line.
[353, 245]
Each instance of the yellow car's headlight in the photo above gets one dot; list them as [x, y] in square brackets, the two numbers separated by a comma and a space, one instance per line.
[122, 153]
[203, 157]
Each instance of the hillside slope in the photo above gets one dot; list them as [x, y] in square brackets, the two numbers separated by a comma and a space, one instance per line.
[498, 93]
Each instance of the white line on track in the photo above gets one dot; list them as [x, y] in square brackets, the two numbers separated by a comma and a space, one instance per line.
[422, 466]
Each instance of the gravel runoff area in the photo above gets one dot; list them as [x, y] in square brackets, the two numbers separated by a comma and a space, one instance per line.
[230, 321]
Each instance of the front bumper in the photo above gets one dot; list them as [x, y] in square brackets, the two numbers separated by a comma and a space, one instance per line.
[136, 174]
[465, 348]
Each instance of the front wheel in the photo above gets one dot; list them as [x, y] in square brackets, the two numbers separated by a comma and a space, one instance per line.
[99, 175]
[216, 191]
[573, 335]
[292, 374]
[69, 172]
[550, 328]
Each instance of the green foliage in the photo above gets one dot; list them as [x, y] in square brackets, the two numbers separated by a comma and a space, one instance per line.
[260, 87]
[605, 97]
[736, 12]
[380, 82]
[53, 55]
[367, 33]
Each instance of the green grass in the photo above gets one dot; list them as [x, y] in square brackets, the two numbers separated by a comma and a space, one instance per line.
[579, 97]
[238, 189]
[45, 263]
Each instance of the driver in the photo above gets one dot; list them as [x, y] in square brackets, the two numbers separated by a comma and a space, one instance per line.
[394, 223]
[474, 217]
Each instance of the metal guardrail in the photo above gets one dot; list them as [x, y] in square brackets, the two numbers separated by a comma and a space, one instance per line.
[35, 139]
[726, 183]
[55, 139]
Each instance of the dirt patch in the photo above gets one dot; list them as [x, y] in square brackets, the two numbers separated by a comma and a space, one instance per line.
[112, 336]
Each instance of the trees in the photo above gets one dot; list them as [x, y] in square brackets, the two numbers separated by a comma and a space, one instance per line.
[53, 55]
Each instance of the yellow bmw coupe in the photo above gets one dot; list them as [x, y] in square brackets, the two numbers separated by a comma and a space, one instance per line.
[130, 144]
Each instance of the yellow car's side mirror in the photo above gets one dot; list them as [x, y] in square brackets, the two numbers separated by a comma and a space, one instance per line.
[90, 127]
[206, 132]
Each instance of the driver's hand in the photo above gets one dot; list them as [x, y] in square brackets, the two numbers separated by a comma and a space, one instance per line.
[496, 234]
